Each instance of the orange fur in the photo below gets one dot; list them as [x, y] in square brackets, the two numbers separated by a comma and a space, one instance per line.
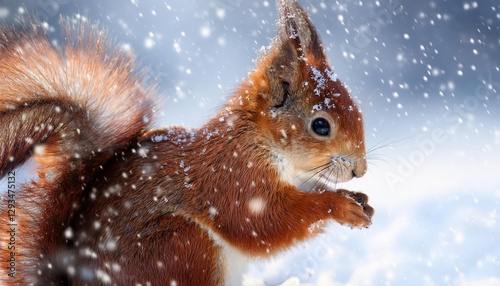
[118, 203]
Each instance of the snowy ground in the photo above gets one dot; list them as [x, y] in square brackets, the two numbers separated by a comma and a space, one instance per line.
[437, 226]
[428, 80]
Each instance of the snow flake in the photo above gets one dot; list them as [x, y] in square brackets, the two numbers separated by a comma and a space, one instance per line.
[283, 133]
[319, 79]
[318, 107]
[4, 12]
[159, 138]
[149, 43]
[87, 252]
[220, 13]
[209, 134]
[328, 104]
[174, 137]
[256, 206]
[71, 270]
[213, 212]
[221, 41]
[331, 75]
[110, 245]
[469, 6]
[116, 267]
[143, 152]
[103, 276]
[177, 47]
[205, 31]
[38, 150]
[68, 233]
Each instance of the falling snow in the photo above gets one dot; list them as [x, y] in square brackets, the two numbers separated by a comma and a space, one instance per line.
[319, 79]
[426, 75]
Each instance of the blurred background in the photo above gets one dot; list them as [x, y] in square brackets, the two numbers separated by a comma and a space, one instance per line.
[426, 74]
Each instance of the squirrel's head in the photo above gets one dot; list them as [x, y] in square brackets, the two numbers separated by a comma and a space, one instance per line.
[311, 124]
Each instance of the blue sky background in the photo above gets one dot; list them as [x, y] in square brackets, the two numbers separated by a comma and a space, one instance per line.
[427, 77]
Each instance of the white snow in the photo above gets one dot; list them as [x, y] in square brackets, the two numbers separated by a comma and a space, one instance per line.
[149, 43]
[435, 226]
[4, 12]
[256, 205]
[205, 31]
[319, 79]
[437, 202]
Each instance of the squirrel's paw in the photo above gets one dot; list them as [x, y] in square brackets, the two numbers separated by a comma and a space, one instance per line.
[353, 209]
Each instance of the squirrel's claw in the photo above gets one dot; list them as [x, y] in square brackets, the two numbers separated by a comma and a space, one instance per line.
[353, 209]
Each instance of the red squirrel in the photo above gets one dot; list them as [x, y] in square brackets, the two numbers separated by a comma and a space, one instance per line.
[116, 202]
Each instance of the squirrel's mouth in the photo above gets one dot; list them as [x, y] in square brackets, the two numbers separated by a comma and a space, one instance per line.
[330, 178]
[341, 170]
[326, 180]
[338, 170]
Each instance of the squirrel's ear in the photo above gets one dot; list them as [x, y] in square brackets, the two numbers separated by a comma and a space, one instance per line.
[296, 43]
[295, 26]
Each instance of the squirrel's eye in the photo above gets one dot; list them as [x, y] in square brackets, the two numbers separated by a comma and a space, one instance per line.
[321, 126]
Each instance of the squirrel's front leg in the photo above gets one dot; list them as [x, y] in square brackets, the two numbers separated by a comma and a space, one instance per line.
[262, 227]
[345, 207]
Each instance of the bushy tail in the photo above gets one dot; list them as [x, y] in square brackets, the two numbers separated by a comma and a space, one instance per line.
[87, 94]
[70, 109]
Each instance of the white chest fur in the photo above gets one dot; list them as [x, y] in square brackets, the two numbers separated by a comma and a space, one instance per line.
[235, 263]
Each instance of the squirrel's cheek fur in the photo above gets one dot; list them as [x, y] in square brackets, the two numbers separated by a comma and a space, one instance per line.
[116, 202]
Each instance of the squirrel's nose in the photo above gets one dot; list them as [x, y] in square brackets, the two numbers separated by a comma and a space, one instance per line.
[357, 174]
[359, 168]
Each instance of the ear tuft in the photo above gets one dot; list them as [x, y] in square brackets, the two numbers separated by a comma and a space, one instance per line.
[295, 26]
